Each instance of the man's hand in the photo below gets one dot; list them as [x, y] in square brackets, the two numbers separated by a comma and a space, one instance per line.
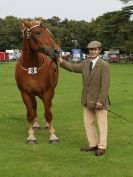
[99, 105]
[60, 60]
[66, 57]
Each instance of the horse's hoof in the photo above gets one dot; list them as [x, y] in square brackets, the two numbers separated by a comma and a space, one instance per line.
[31, 142]
[54, 141]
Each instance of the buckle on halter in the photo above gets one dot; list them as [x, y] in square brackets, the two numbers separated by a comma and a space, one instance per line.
[28, 33]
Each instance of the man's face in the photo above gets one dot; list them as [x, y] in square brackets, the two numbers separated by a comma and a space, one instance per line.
[94, 52]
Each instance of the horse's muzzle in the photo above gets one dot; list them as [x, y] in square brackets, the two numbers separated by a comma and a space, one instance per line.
[52, 53]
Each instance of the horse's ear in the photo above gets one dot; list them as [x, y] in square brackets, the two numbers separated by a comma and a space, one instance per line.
[26, 24]
[39, 19]
[23, 27]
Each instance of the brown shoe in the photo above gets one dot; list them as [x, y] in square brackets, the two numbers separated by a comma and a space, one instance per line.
[100, 152]
[88, 149]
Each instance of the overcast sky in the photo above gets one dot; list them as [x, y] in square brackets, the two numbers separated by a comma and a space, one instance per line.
[70, 9]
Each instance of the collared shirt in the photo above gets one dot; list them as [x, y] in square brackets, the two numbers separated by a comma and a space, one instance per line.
[94, 61]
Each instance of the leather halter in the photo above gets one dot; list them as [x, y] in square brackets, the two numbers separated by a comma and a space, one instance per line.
[29, 30]
[28, 37]
[45, 50]
[28, 34]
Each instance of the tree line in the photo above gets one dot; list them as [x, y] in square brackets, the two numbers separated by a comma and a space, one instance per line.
[126, 1]
[113, 29]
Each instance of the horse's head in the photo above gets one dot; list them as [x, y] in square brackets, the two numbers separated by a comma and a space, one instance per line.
[40, 39]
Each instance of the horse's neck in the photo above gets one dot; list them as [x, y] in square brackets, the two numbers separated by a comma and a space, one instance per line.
[31, 58]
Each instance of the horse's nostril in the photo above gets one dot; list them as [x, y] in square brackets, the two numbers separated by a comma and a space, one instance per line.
[56, 51]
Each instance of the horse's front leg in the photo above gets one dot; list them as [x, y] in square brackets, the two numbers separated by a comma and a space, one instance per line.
[36, 125]
[34, 105]
[30, 117]
[46, 125]
[48, 115]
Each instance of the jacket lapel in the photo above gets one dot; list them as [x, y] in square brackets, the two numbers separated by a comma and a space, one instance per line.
[87, 68]
[94, 69]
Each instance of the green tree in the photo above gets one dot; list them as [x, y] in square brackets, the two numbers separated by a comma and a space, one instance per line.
[10, 33]
[126, 1]
[114, 28]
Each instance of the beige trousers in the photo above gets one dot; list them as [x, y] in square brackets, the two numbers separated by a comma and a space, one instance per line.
[90, 118]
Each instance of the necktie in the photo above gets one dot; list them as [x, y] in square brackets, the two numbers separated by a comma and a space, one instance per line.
[91, 64]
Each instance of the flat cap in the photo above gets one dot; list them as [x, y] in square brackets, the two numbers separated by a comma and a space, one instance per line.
[94, 44]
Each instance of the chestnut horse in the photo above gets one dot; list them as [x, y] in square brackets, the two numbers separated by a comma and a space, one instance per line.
[37, 75]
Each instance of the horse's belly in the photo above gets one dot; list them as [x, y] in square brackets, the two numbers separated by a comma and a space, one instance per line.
[35, 88]
[32, 86]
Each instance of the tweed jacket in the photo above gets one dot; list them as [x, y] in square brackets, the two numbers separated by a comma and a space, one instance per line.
[95, 83]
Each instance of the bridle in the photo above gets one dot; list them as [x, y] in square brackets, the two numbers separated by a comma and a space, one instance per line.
[52, 53]
[29, 30]
[29, 35]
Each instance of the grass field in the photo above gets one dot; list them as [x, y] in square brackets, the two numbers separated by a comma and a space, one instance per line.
[18, 159]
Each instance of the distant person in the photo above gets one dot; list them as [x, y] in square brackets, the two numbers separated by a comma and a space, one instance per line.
[96, 81]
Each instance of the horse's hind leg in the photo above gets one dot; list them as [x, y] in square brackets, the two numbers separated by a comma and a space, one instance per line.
[48, 115]
[30, 117]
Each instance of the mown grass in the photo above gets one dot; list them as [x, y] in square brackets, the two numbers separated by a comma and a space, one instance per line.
[18, 159]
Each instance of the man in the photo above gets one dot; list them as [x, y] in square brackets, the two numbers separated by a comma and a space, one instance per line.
[96, 81]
